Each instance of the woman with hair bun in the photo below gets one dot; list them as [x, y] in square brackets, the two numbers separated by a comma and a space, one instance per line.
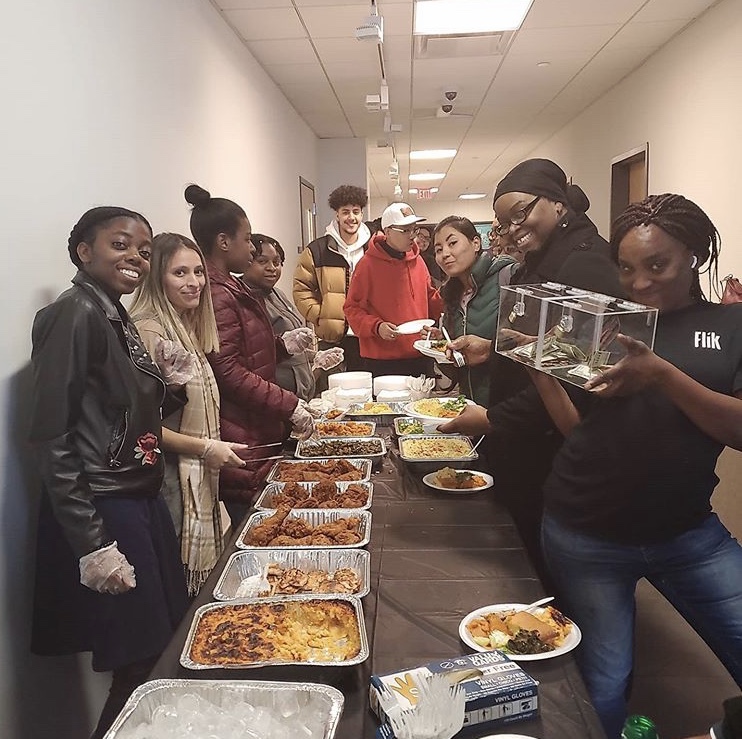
[109, 578]
[254, 410]
[543, 216]
[629, 493]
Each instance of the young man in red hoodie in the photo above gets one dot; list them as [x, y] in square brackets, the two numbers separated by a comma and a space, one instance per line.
[391, 285]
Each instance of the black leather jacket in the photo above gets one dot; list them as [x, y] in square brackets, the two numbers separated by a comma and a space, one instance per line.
[96, 421]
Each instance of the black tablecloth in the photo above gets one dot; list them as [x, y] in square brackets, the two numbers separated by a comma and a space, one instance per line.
[434, 558]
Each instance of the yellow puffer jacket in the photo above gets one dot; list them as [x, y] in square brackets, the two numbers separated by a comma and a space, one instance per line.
[320, 286]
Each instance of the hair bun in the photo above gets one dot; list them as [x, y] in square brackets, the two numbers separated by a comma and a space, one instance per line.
[577, 200]
[196, 195]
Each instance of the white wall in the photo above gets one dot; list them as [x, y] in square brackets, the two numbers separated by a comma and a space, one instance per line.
[111, 103]
[341, 162]
[685, 102]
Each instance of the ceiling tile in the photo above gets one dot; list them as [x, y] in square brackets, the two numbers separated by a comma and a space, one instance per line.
[664, 10]
[289, 73]
[280, 51]
[266, 23]
[580, 13]
[539, 43]
[252, 4]
[341, 21]
[309, 98]
[348, 51]
[646, 35]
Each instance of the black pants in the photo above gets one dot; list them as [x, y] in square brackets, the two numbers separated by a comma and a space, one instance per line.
[412, 366]
[125, 680]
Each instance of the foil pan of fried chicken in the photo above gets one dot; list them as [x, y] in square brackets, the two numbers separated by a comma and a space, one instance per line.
[301, 528]
[338, 470]
[266, 573]
[287, 630]
[345, 428]
[326, 494]
[372, 447]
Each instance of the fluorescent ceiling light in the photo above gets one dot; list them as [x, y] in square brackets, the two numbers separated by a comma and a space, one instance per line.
[447, 17]
[472, 195]
[427, 176]
[433, 154]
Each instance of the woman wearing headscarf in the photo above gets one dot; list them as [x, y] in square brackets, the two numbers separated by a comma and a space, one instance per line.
[544, 217]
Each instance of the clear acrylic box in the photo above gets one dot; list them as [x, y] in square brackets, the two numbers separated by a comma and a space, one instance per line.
[568, 332]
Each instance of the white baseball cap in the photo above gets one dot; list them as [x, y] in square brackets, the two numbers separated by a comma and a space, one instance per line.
[399, 214]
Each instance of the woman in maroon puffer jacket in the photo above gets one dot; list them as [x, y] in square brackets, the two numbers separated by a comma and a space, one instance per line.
[254, 409]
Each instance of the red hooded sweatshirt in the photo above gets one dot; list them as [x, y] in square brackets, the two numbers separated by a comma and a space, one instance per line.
[387, 289]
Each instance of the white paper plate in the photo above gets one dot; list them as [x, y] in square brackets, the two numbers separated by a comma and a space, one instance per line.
[409, 409]
[572, 640]
[428, 480]
[414, 327]
[423, 346]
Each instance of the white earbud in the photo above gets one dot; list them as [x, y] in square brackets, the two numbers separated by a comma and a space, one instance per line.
[694, 262]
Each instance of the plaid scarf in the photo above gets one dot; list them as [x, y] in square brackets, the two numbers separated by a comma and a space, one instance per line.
[202, 531]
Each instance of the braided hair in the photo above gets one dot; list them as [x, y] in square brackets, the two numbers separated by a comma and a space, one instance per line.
[86, 229]
[684, 221]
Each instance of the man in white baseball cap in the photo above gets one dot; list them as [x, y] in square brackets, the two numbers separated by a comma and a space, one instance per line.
[391, 285]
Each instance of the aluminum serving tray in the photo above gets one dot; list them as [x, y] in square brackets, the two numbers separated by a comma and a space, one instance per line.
[363, 464]
[371, 428]
[362, 656]
[248, 563]
[377, 441]
[321, 701]
[428, 426]
[355, 413]
[265, 501]
[314, 516]
[437, 438]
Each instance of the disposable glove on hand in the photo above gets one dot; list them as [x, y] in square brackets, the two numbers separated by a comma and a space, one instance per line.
[328, 358]
[177, 365]
[298, 340]
[302, 421]
[106, 570]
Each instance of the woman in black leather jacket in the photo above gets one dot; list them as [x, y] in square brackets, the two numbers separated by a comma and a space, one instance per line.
[109, 578]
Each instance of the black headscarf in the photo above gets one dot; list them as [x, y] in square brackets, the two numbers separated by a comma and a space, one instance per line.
[545, 178]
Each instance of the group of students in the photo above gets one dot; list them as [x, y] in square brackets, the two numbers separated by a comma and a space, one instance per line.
[607, 485]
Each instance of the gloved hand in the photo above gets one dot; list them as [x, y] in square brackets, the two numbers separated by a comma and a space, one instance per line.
[298, 340]
[106, 570]
[218, 454]
[177, 365]
[302, 421]
[328, 358]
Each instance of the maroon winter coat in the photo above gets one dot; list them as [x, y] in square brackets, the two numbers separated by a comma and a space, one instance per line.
[254, 410]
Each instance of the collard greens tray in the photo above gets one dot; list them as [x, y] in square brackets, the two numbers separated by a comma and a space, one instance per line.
[249, 563]
[364, 465]
[322, 702]
[188, 662]
[374, 446]
[313, 516]
[265, 500]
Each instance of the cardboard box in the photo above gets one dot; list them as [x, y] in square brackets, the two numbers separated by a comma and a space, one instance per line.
[498, 691]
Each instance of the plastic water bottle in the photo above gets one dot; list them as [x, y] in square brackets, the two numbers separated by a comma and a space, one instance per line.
[639, 727]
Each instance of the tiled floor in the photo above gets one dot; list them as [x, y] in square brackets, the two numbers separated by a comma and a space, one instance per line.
[678, 681]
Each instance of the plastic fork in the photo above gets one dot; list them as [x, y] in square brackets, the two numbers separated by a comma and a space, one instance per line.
[458, 357]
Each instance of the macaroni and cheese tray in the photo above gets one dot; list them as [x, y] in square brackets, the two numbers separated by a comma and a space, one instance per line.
[437, 448]
[358, 447]
[316, 470]
[288, 630]
[306, 528]
[381, 413]
[271, 572]
[325, 494]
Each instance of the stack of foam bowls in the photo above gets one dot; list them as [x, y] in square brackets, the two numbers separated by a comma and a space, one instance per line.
[391, 389]
[351, 387]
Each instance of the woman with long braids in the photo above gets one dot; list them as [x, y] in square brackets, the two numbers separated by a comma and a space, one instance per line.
[629, 492]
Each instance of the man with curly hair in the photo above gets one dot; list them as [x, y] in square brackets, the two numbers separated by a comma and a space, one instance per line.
[324, 270]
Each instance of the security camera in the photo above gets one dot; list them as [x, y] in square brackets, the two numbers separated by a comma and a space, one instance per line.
[447, 108]
[450, 95]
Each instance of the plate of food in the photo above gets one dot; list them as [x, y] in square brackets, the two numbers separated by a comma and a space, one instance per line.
[415, 327]
[459, 482]
[435, 349]
[541, 633]
[440, 408]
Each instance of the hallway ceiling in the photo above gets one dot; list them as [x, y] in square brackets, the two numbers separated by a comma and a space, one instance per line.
[512, 94]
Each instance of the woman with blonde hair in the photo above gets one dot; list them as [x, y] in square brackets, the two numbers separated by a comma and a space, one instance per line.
[174, 315]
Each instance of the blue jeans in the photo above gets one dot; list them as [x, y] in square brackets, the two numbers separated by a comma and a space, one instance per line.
[699, 572]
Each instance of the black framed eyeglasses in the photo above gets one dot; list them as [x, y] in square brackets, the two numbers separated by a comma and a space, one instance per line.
[516, 218]
[410, 231]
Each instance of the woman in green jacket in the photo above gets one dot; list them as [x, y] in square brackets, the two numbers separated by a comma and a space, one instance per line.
[471, 294]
